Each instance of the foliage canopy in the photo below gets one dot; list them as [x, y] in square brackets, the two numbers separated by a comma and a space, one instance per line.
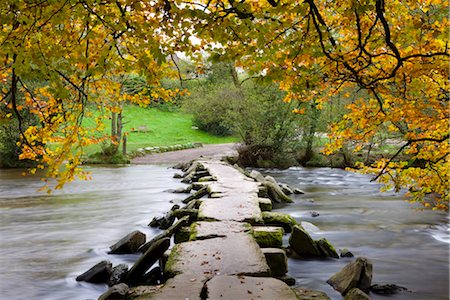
[397, 51]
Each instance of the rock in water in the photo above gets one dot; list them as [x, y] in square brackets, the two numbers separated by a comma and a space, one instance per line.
[356, 294]
[326, 249]
[116, 292]
[306, 294]
[154, 252]
[277, 261]
[118, 274]
[99, 273]
[302, 243]
[129, 243]
[357, 274]
[387, 289]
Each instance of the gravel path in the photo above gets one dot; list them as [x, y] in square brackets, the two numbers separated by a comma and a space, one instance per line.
[211, 150]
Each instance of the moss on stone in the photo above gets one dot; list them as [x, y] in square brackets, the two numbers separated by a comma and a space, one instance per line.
[268, 237]
[326, 249]
[182, 235]
[279, 219]
[173, 259]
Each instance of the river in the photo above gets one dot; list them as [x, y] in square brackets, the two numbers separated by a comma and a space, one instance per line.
[48, 240]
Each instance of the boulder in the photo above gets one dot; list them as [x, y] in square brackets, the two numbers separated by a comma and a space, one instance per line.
[155, 222]
[279, 219]
[265, 204]
[154, 252]
[302, 243]
[116, 292]
[387, 289]
[268, 236]
[197, 195]
[118, 274]
[129, 243]
[257, 176]
[167, 221]
[177, 176]
[357, 274]
[326, 249]
[306, 294]
[298, 191]
[275, 193]
[207, 179]
[289, 280]
[356, 294]
[99, 273]
[345, 253]
[286, 189]
[277, 260]
[167, 233]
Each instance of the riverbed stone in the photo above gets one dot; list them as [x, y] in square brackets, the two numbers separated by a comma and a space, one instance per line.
[244, 287]
[197, 195]
[236, 253]
[182, 235]
[302, 243]
[116, 292]
[298, 191]
[356, 294]
[277, 260]
[345, 253]
[288, 279]
[268, 236]
[265, 204]
[279, 219]
[357, 274]
[99, 273]
[154, 252]
[307, 294]
[129, 243]
[118, 274]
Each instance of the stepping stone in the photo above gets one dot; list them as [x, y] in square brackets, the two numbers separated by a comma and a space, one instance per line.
[205, 230]
[243, 287]
[235, 254]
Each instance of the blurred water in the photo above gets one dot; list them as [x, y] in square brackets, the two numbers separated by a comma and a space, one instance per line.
[48, 240]
[408, 247]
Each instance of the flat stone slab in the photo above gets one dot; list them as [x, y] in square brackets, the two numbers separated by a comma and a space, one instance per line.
[239, 201]
[244, 287]
[205, 230]
[237, 253]
[238, 207]
[180, 287]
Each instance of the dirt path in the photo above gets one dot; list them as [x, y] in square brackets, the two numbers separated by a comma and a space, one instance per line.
[211, 150]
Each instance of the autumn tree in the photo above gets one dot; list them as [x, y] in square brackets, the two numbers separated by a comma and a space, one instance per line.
[394, 51]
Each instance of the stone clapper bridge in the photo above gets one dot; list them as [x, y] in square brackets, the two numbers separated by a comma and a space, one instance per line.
[228, 252]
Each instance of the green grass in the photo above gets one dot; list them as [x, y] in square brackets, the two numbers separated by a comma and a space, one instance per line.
[163, 128]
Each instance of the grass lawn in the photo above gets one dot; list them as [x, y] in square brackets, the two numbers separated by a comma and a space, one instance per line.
[162, 128]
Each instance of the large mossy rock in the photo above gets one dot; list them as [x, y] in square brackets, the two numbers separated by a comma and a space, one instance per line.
[279, 219]
[99, 273]
[129, 243]
[265, 204]
[326, 249]
[357, 274]
[302, 243]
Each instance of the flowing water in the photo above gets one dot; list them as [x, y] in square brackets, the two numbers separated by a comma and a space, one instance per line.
[46, 241]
